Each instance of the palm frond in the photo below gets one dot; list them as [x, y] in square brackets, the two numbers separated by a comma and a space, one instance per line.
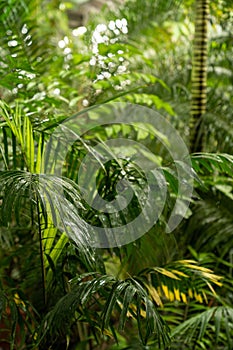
[211, 229]
[181, 281]
[99, 298]
[210, 323]
[213, 162]
[17, 318]
[21, 127]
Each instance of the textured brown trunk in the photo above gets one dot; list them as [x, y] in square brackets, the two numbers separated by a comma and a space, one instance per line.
[199, 75]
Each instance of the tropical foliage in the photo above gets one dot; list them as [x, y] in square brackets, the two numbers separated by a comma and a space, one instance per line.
[58, 289]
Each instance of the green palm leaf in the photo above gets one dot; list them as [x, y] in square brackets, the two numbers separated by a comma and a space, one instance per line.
[215, 319]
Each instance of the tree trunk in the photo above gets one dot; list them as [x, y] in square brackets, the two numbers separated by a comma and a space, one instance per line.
[199, 75]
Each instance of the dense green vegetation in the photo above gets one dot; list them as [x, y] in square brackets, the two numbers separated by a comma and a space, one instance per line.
[76, 272]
